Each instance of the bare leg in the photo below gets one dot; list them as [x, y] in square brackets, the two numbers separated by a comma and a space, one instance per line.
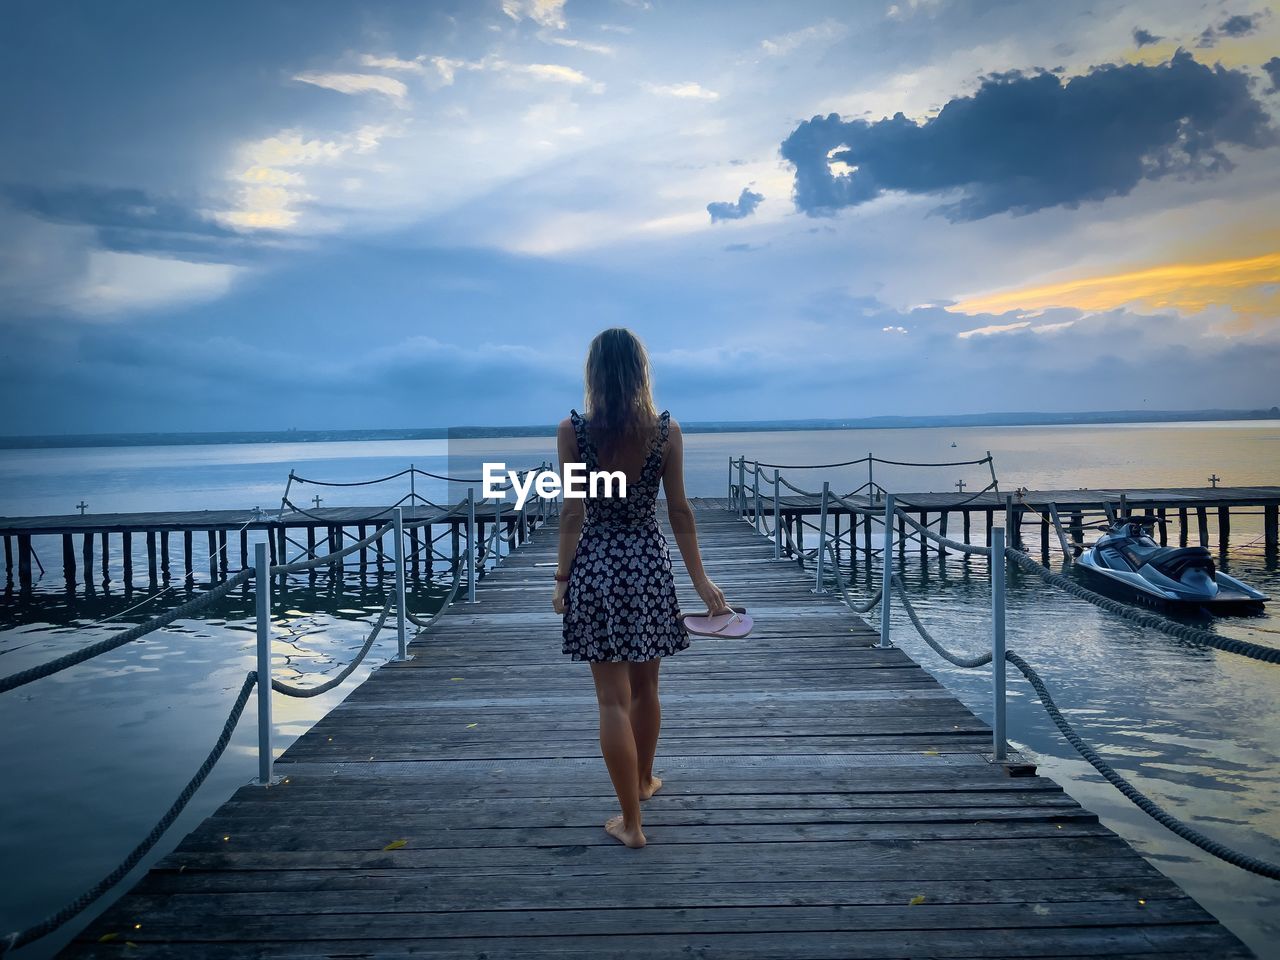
[618, 746]
[646, 721]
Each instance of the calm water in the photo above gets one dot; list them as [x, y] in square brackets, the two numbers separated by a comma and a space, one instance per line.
[93, 756]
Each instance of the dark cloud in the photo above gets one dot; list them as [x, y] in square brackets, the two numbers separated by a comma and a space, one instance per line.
[1239, 25]
[744, 206]
[1144, 38]
[129, 220]
[1272, 68]
[1024, 142]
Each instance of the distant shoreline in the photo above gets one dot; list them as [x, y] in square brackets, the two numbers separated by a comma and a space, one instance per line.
[696, 426]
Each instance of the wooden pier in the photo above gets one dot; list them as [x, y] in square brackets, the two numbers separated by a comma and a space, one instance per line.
[823, 798]
[290, 533]
[1178, 507]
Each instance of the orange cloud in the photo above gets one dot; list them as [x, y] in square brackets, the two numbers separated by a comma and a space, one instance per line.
[1249, 286]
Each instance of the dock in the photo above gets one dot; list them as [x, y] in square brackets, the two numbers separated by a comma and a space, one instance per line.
[823, 798]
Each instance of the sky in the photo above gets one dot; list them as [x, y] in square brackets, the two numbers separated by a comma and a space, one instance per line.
[310, 214]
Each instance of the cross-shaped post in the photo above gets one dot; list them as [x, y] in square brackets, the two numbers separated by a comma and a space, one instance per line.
[960, 485]
[1214, 480]
[317, 501]
[82, 507]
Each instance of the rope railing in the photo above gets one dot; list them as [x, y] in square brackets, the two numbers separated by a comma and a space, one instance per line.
[23, 677]
[253, 679]
[291, 690]
[21, 938]
[999, 655]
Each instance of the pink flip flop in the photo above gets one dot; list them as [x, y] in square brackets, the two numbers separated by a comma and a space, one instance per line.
[733, 625]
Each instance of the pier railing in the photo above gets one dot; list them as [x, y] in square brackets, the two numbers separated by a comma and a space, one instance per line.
[998, 555]
[535, 512]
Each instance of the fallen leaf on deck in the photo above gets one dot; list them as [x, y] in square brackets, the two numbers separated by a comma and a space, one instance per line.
[915, 901]
[395, 844]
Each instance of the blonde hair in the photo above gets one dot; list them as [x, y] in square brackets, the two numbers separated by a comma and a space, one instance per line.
[618, 401]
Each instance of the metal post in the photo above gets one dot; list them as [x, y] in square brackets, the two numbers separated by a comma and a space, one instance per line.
[742, 493]
[728, 490]
[999, 747]
[777, 519]
[471, 545]
[886, 573]
[497, 526]
[755, 487]
[822, 538]
[402, 649]
[263, 587]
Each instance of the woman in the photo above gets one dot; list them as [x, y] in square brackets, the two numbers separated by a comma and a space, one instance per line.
[613, 578]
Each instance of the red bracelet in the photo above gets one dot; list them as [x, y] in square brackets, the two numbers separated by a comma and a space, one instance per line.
[562, 578]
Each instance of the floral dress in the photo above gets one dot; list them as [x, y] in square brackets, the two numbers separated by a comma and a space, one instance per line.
[620, 601]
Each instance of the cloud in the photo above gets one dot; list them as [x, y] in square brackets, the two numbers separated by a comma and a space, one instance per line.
[1144, 38]
[129, 281]
[357, 83]
[271, 190]
[744, 206]
[416, 65]
[601, 48]
[545, 13]
[684, 91]
[1234, 27]
[1272, 69]
[993, 329]
[1024, 142]
[827, 32]
[1249, 287]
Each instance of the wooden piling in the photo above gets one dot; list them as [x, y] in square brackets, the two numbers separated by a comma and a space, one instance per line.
[86, 549]
[126, 558]
[1044, 536]
[1182, 526]
[1224, 527]
[152, 571]
[222, 553]
[213, 556]
[272, 558]
[282, 548]
[164, 554]
[244, 548]
[866, 537]
[24, 560]
[964, 525]
[187, 559]
[311, 543]
[942, 531]
[1269, 527]
[990, 516]
[414, 562]
[1202, 522]
[1077, 527]
[429, 548]
[68, 562]
[1164, 534]
[106, 559]
[362, 532]
[336, 566]
[8, 556]
[924, 543]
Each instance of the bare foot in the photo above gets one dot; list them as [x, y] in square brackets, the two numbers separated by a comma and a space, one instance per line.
[647, 790]
[632, 838]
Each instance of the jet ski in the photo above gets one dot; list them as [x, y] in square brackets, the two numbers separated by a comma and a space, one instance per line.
[1131, 566]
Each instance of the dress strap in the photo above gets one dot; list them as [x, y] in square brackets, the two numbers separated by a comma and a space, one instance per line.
[586, 451]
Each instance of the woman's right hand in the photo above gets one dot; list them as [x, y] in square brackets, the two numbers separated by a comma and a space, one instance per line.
[712, 596]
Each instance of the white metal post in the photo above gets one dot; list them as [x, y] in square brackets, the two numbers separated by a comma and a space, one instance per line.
[402, 648]
[471, 545]
[263, 589]
[497, 527]
[728, 490]
[777, 519]
[818, 586]
[886, 571]
[755, 488]
[742, 493]
[999, 746]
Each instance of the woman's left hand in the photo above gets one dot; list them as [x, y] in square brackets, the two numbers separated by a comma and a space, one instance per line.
[557, 599]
